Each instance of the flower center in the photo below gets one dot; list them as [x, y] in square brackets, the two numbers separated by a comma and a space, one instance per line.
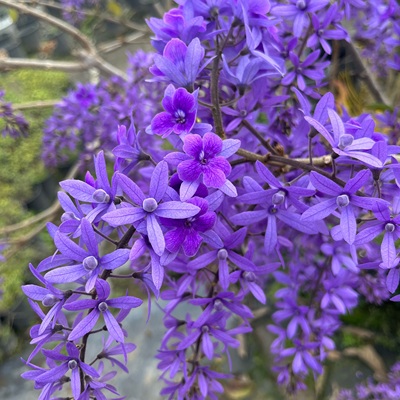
[101, 196]
[72, 364]
[90, 263]
[278, 197]
[320, 32]
[150, 204]
[180, 117]
[345, 140]
[218, 305]
[202, 159]
[222, 254]
[205, 329]
[68, 216]
[301, 5]
[102, 306]
[343, 200]
[49, 300]
[249, 276]
[389, 227]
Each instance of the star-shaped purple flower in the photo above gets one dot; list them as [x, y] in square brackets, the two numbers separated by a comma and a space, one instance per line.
[179, 115]
[149, 209]
[204, 161]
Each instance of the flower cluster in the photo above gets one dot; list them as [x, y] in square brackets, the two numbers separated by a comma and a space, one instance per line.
[15, 125]
[248, 176]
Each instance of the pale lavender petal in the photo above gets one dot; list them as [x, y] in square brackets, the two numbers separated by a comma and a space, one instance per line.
[159, 181]
[69, 248]
[320, 210]
[388, 250]
[321, 129]
[271, 235]
[348, 224]
[115, 259]
[155, 234]
[229, 147]
[267, 176]
[249, 217]
[325, 185]
[113, 327]
[392, 280]
[175, 158]
[85, 326]
[78, 189]
[66, 274]
[228, 188]
[358, 181]
[124, 216]
[89, 237]
[188, 189]
[131, 189]
[176, 210]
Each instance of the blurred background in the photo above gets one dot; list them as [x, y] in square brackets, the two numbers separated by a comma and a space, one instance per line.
[367, 346]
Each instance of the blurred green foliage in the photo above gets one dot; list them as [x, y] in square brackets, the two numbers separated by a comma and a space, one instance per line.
[21, 170]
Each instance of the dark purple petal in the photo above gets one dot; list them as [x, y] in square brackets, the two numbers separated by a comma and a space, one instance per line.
[162, 124]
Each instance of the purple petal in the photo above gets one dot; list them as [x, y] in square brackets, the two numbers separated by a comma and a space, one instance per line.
[131, 189]
[69, 248]
[212, 145]
[176, 210]
[162, 124]
[115, 259]
[85, 326]
[78, 189]
[159, 181]
[229, 147]
[113, 327]
[189, 170]
[320, 210]
[348, 224]
[124, 216]
[193, 145]
[155, 234]
[325, 185]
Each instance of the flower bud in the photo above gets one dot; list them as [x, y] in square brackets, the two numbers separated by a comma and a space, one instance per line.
[49, 300]
[249, 276]
[100, 196]
[343, 200]
[222, 254]
[68, 216]
[301, 4]
[345, 140]
[278, 198]
[102, 306]
[149, 204]
[72, 364]
[389, 227]
[90, 263]
[218, 305]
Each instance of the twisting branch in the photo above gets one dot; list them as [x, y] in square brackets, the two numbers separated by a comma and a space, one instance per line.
[35, 104]
[90, 55]
[98, 14]
[49, 213]
[20, 63]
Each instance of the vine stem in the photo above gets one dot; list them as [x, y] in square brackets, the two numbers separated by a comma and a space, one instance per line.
[105, 275]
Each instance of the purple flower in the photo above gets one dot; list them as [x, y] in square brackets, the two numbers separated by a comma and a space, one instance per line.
[204, 161]
[179, 64]
[180, 114]
[343, 198]
[187, 232]
[322, 34]
[69, 362]
[98, 307]
[88, 262]
[149, 209]
[344, 144]
[298, 11]
[390, 227]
